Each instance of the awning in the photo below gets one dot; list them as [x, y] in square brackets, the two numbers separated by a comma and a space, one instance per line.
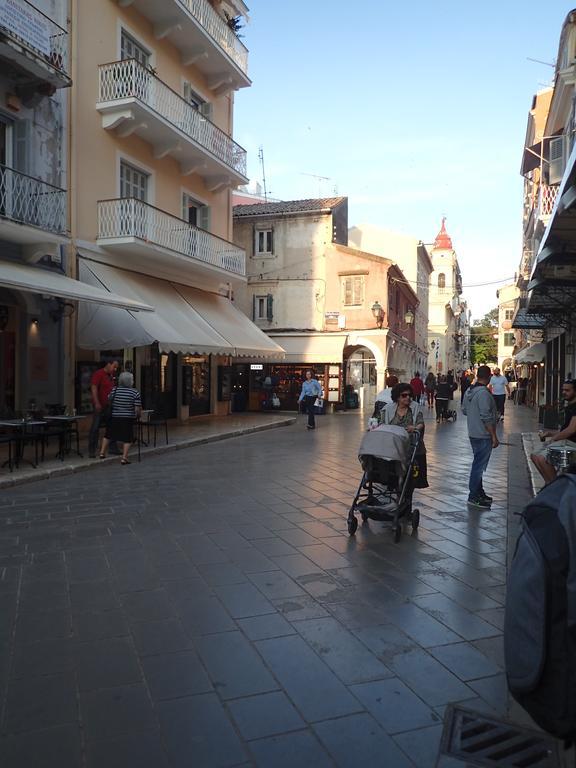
[175, 325]
[527, 320]
[22, 277]
[186, 320]
[241, 333]
[325, 348]
[534, 354]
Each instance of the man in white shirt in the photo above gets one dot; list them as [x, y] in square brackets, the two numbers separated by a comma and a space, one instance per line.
[500, 388]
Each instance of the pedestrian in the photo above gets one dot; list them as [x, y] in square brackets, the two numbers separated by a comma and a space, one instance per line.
[430, 387]
[567, 432]
[499, 387]
[417, 387]
[465, 382]
[311, 390]
[101, 384]
[450, 381]
[522, 389]
[405, 411]
[480, 408]
[125, 408]
[443, 397]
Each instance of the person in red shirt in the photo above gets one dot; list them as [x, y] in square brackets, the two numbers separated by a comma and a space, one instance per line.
[101, 385]
[417, 387]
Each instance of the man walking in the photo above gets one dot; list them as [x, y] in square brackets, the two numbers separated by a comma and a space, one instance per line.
[101, 384]
[480, 408]
[500, 388]
[311, 390]
[417, 387]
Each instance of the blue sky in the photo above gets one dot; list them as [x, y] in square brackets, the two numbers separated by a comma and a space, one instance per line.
[413, 110]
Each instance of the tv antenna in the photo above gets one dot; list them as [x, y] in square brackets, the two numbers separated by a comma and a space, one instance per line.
[261, 158]
[320, 179]
[539, 61]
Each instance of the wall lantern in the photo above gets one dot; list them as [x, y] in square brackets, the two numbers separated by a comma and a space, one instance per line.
[409, 317]
[378, 313]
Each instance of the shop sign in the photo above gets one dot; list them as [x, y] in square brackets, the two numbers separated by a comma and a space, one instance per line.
[26, 23]
[331, 317]
[256, 367]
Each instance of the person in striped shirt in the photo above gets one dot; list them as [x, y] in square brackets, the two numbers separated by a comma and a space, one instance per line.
[125, 407]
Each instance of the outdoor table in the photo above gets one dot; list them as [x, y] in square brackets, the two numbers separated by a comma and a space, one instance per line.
[66, 443]
[20, 429]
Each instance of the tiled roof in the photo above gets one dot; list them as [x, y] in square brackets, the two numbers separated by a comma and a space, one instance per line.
[288, 206]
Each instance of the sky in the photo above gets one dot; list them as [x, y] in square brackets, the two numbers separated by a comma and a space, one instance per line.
[414, 110]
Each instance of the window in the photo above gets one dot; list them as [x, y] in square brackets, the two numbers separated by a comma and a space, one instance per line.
[196, 101]
[508, 314]
[263, 307]
[441, 281]
[263, 242]
[130, 49]
[133, 182]
[353, 290]
[195, 213]
[509, 339]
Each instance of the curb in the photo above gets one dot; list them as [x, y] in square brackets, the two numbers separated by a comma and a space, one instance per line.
[72, 469]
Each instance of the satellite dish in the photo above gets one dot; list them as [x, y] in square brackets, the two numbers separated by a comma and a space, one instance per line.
[506, 325]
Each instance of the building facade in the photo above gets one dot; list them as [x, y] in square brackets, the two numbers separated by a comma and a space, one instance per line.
[153, 166]
[449, 319]
[507, 297]
[412, 257]
[545, 315]
[338, 309]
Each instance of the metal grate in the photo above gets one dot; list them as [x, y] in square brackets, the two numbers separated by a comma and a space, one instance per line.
[483, 741]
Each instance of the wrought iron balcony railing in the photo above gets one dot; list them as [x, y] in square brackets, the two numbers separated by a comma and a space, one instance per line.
[128, 79]
[31, 201]
[218, 30]
[33, 30]
[546, 199]
[132, 218]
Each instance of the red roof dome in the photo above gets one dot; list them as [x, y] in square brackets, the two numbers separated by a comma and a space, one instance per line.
[443, 240]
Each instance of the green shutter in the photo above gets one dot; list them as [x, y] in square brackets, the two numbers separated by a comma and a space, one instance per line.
[269, 307]
[204, 217]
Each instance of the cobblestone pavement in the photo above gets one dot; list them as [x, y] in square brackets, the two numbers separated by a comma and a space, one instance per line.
[207, 608]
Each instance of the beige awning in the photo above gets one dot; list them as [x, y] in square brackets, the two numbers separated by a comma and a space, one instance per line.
[534, 354]
[242, 334]
[320, 348]
[175, 325]
[23, 277]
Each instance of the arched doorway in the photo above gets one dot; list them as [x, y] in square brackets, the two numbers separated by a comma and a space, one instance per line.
[364, 368]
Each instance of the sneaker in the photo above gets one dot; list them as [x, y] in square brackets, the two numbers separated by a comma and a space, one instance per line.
[479, 502]
[309, 427]
[484, 495]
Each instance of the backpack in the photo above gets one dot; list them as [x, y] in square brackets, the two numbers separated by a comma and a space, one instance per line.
[540, 615]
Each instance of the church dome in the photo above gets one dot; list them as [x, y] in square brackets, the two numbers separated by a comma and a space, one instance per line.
[443, 240]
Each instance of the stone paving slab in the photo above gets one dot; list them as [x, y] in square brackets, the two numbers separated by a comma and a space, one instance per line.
[207, 607]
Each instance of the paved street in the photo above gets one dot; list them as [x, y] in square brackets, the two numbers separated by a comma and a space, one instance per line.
[207, 608]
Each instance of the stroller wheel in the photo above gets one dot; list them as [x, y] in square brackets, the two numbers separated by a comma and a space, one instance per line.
[364, 516]
[454, 415]
[397, 533]
[352, 526]
[415, 519]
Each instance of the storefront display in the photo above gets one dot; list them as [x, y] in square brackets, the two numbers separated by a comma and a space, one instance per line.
[196, 384]
[278, 386]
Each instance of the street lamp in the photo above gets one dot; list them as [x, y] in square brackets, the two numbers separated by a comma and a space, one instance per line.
[378, 313]
[409, 317]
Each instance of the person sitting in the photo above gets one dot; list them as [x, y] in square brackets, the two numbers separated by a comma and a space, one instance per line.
[567, 432]
[403, 411]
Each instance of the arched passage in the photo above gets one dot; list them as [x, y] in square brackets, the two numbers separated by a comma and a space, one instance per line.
[364, 366]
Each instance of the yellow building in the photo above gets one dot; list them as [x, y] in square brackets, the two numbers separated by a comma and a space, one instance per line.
[153, 165]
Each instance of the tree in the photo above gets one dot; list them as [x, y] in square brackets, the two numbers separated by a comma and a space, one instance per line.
[483, 345]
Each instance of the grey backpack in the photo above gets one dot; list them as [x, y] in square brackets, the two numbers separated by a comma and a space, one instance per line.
[540, 620]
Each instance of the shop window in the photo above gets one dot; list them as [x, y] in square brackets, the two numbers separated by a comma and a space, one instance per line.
[263, 307]
[509, 339]
[353, 290]
[264, 242]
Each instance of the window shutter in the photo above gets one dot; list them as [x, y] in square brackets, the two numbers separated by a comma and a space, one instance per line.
[269, 307]
[556, 155]
[22, 139]
[206, 110]
[271, 241]
[204, 218]
[187, 90]
[254, 308]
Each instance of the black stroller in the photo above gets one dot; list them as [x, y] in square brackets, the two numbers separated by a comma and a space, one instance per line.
[387, 455]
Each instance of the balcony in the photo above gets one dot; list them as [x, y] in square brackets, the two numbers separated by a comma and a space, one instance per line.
[31, 211]
[203, 38]
[132, 100]
[546, 200]
[34, 44]
[151, 239]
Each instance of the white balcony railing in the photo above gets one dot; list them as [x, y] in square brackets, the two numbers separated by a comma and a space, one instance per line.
[132, 218]
[130, 80]
[32, 29]
[546, 199]
[33, 202]
[218, 30]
